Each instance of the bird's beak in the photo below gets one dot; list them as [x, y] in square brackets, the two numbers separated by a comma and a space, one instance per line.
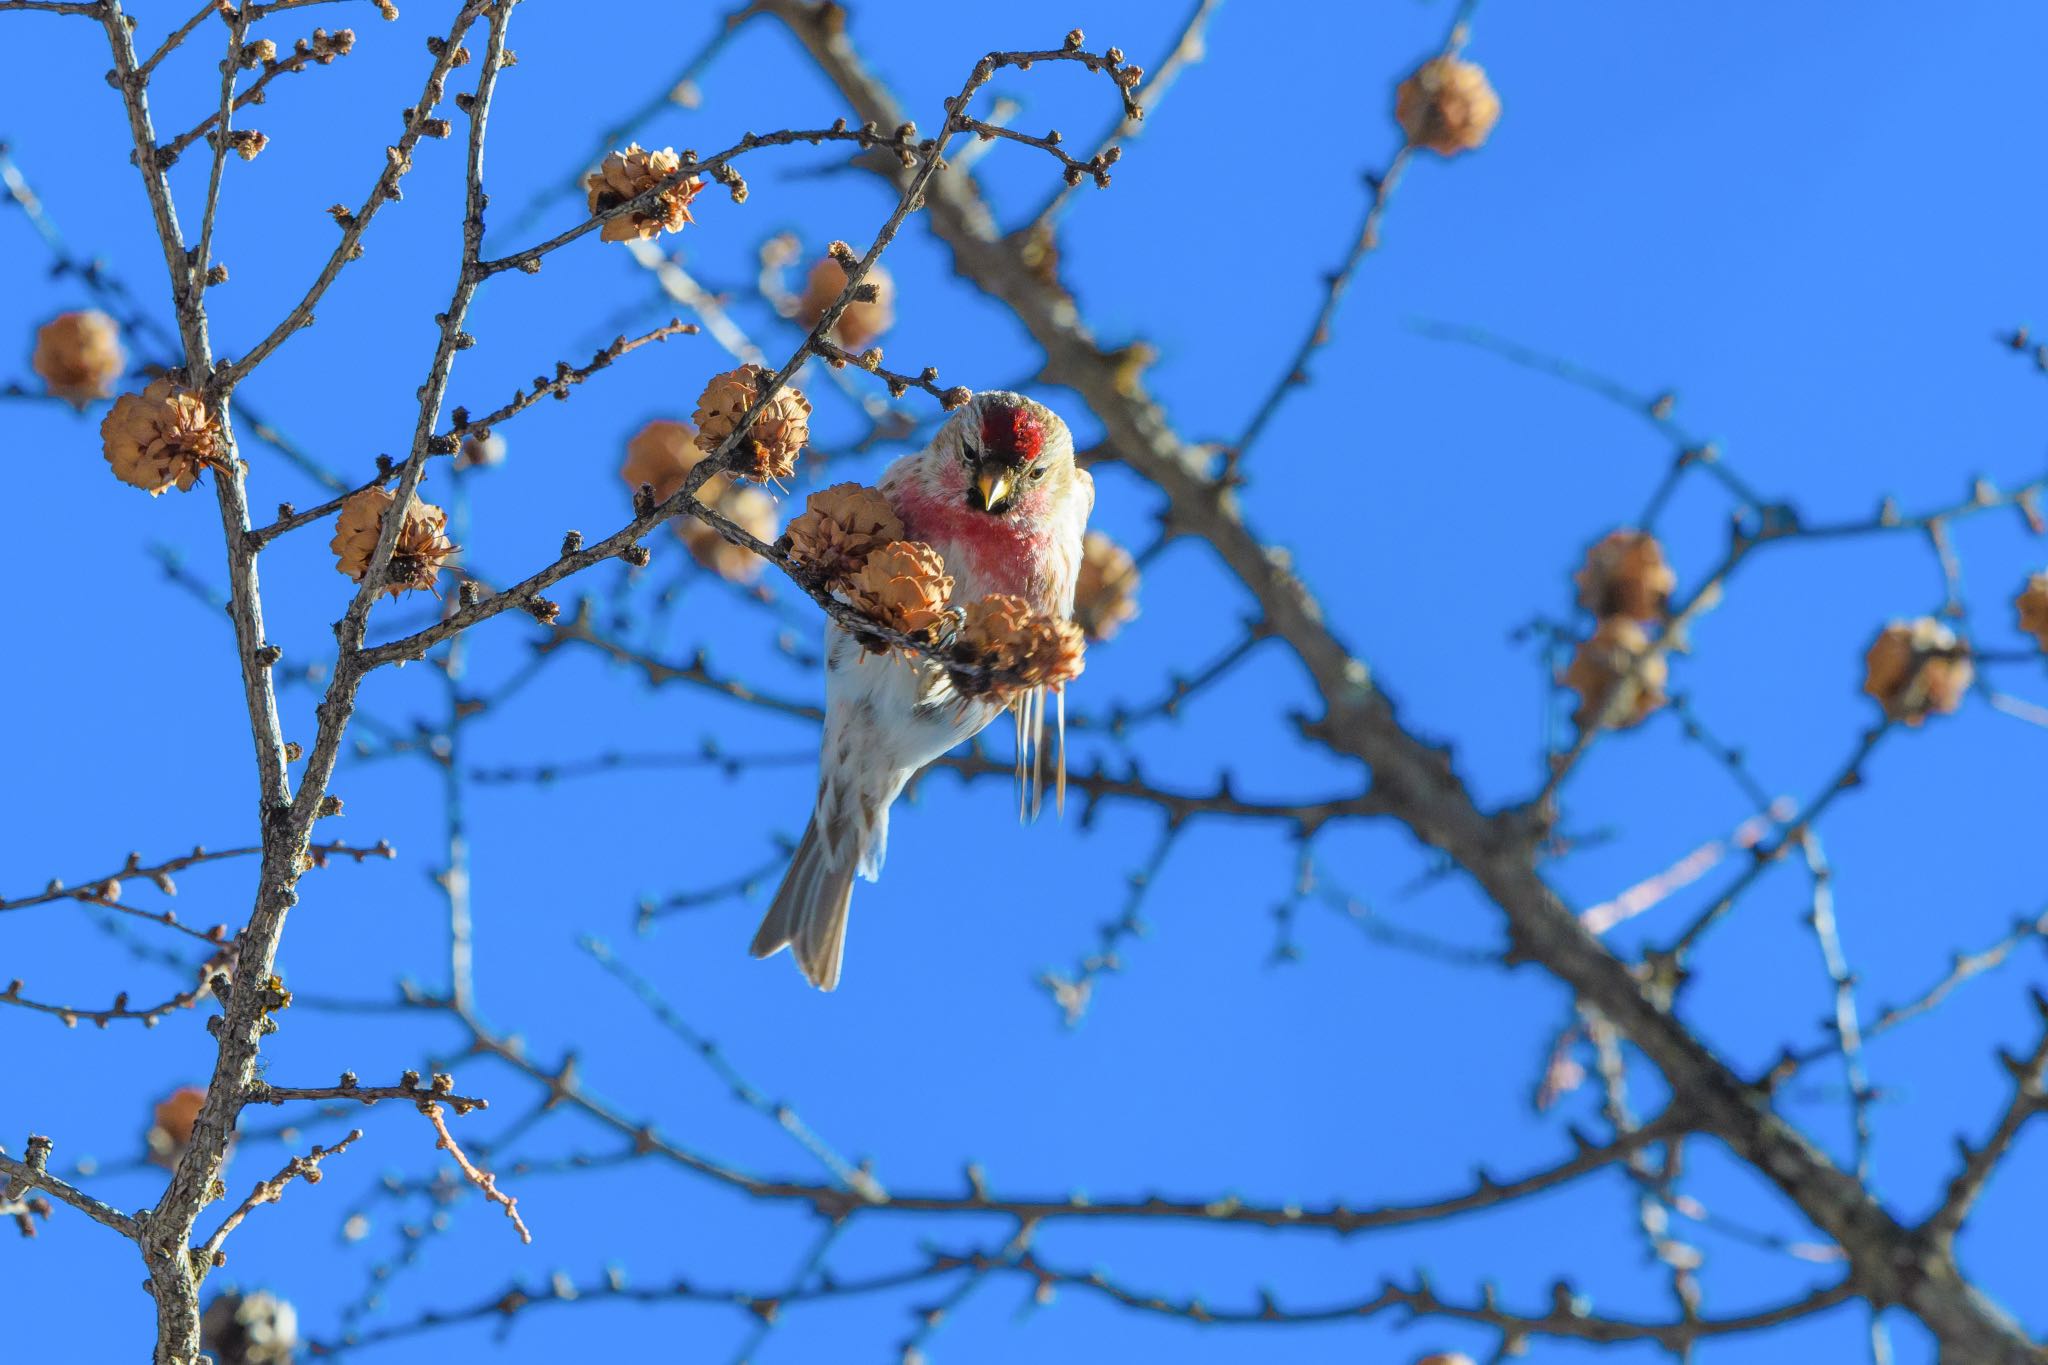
[992, 487]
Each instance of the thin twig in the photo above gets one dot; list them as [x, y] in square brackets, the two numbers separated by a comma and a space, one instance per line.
[159, 874]
[230, 68]
[2029, 1099]
[397, 161]
[1190, 47]
[743, 1090]
[566, 377]
[482, 1179]
[178, 36]
[321, 50]
[306, 1168]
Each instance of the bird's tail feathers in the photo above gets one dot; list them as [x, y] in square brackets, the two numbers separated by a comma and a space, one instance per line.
[808, 914]
[876, 842]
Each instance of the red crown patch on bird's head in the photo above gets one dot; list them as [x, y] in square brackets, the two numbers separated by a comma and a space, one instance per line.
[1011, 432]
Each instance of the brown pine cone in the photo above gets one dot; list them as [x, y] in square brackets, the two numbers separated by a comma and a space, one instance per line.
[249, 1329]
[2033, 608]
[630, 173]
[1916, 669]
[662, 454]
[1625, 574]
[1603, 664]
[1447, 106]
[1003, 633]
[753, 511]
[171, 1126]
[79, 356]
[417, 557]
[159, 438]
[1106, 589]
[772, 443]
[839, 528]
[863, 320]
[904, 586]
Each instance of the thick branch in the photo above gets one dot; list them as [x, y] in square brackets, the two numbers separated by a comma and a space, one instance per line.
[1417, 779]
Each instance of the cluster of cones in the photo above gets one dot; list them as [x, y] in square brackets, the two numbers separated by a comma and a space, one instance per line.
[166, 436]
[852, 541]
[1914, 668]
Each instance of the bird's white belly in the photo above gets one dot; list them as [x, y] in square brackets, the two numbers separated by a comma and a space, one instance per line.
[908, 711]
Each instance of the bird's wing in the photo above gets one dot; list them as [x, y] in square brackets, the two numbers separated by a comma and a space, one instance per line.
[1069, 531]
[900, 472]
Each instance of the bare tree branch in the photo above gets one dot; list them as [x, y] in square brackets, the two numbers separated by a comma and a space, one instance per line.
[24, 1176]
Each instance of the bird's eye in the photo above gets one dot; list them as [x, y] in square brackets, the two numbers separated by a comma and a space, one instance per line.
[970, 454]
[1038, 472]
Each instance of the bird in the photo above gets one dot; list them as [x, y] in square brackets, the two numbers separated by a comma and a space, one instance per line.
[997, 493]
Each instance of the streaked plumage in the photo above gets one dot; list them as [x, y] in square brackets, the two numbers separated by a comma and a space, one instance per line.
[887, 716]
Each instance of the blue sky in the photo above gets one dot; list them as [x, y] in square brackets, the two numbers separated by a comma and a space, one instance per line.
[1809, 224]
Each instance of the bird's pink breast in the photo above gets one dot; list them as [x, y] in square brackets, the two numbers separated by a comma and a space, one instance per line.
[999, 555]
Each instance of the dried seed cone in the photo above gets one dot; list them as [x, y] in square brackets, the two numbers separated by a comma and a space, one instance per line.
[416, 558]
[171, 1127]
[777, 436]
[1916, 669]
[159, 438]
[753, 511]
[1601, 668]
[1005, 633]
[863, 320]
[662, 454]
[1626, 574]
[78, 356]
[839, 528]
[630, 173]
[2033, 608]
[904, 586]
[1447, 106]
[1106, 589]
[250, 1329]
